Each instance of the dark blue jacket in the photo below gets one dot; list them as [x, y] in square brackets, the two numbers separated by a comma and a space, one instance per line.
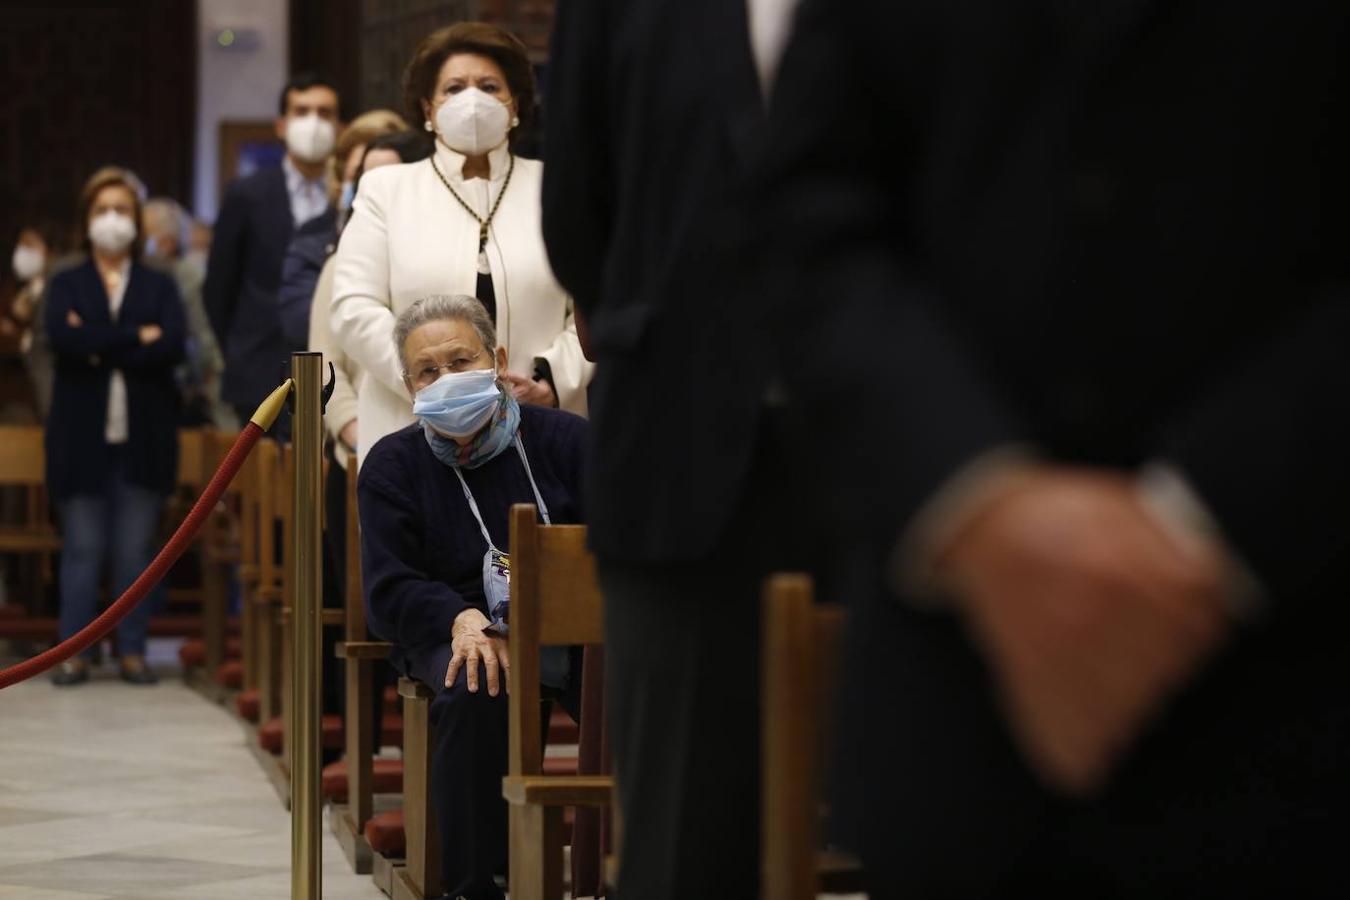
[243, 276]
[422, 550]
[310, 246]
[77, 456]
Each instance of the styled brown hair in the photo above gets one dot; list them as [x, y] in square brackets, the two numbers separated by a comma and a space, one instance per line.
[110, 176]
[361, 130]
[482, 39]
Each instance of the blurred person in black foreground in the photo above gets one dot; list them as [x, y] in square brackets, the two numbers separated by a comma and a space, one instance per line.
[1104, 249]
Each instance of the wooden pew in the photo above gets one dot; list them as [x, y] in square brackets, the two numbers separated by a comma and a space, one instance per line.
[555, 601]
[802, 651]
[359, 657]
[23, 467]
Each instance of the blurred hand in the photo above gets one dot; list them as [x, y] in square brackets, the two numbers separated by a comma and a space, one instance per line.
[1088, 614]
[348, 434]
[527, 390]
[469, 645]
[149, 333]
[73, 319]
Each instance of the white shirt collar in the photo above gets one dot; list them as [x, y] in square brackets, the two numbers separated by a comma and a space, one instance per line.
[451, 163]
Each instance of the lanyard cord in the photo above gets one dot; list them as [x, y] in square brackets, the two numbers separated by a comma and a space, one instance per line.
[473, 505]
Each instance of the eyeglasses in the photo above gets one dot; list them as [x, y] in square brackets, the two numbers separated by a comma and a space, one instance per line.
[428, 374]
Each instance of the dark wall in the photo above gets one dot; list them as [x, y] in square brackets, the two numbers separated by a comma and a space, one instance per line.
[87, 85]
[363, 45]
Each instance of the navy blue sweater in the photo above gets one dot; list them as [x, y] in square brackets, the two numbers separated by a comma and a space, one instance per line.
[422, 550]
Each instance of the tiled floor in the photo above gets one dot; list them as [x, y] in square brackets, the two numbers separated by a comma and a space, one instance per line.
[110, 792]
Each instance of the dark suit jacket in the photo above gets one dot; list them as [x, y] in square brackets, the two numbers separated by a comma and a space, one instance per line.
[647, 145]
[243, 276]
[310, 246]
[77, 458]
[1114, 232]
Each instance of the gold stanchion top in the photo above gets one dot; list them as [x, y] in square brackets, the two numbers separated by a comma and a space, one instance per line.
[270, 408]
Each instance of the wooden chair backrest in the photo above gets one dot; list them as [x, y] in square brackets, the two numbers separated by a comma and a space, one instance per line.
[555, 601]
[23, 459]
[266, 486]
[802, 651]
[355, 602]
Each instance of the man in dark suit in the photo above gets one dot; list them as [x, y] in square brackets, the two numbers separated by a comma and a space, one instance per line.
[256, 220]
[688, 506]
[1069, 287]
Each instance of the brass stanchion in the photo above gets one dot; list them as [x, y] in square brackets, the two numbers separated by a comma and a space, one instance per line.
[306, 607]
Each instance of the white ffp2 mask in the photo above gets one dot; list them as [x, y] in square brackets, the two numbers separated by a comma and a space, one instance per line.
[310, 138]
[111, 231]
[472, 122]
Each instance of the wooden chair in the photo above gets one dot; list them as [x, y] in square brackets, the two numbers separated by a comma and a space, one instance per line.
[802, 650]
[23, 466]
[555, 601]
[359, 656]
[420, 876]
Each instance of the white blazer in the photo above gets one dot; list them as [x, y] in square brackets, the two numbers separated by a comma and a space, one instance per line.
[408, 237]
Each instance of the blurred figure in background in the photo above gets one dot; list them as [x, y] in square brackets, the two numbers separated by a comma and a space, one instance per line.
[314, 241]
[199, 245]
[118, 330]
[166, 233]
[34, 252]
[257, 219]
[465, 221]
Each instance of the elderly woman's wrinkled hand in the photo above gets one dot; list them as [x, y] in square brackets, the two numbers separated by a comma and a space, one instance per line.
[469, 645]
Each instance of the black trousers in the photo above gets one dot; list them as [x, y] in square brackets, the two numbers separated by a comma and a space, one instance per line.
[682, 696]
[468, 759]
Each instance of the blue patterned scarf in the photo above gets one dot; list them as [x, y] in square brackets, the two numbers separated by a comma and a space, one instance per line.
[487, 444]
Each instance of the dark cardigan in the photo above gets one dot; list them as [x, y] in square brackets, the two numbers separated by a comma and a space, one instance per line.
[78, 461]
[422, 550]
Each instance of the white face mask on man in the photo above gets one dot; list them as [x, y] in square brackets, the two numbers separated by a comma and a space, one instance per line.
[310, 139]
[473, 122]
[111, 232]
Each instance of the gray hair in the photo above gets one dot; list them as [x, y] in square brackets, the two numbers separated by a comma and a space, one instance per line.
[440, 308]
[175, 219]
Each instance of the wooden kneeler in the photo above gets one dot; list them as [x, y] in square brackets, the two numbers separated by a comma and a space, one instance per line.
[555, 601]
[802, 651]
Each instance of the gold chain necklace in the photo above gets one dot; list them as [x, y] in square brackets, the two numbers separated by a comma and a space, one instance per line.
[483, 224]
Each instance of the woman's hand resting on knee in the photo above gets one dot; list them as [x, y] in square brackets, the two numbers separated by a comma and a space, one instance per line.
[469, 644]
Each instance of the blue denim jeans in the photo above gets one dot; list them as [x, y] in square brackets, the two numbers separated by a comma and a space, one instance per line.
[116, 527]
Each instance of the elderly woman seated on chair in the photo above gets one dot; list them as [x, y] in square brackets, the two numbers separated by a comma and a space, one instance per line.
[434, 542]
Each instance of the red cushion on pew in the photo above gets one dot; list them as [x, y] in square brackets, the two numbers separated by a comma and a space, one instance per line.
[384, 833]
[270, 735]
[247, 705]
[560, 765]
[391, 730]
[561, 728]
[192, 653]
[331, 733]
[231, 674]
[391, 699]
[387, 778]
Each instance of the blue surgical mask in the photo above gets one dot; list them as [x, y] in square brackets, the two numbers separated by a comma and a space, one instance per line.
[459, 403]
[348, 195]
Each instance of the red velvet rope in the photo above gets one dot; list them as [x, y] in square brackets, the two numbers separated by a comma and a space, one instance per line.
[182, 538]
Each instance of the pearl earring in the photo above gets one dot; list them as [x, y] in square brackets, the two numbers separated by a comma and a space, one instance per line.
[515, 120]
[427, 125]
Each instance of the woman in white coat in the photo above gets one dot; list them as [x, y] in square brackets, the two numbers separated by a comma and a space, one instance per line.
[465, 221]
